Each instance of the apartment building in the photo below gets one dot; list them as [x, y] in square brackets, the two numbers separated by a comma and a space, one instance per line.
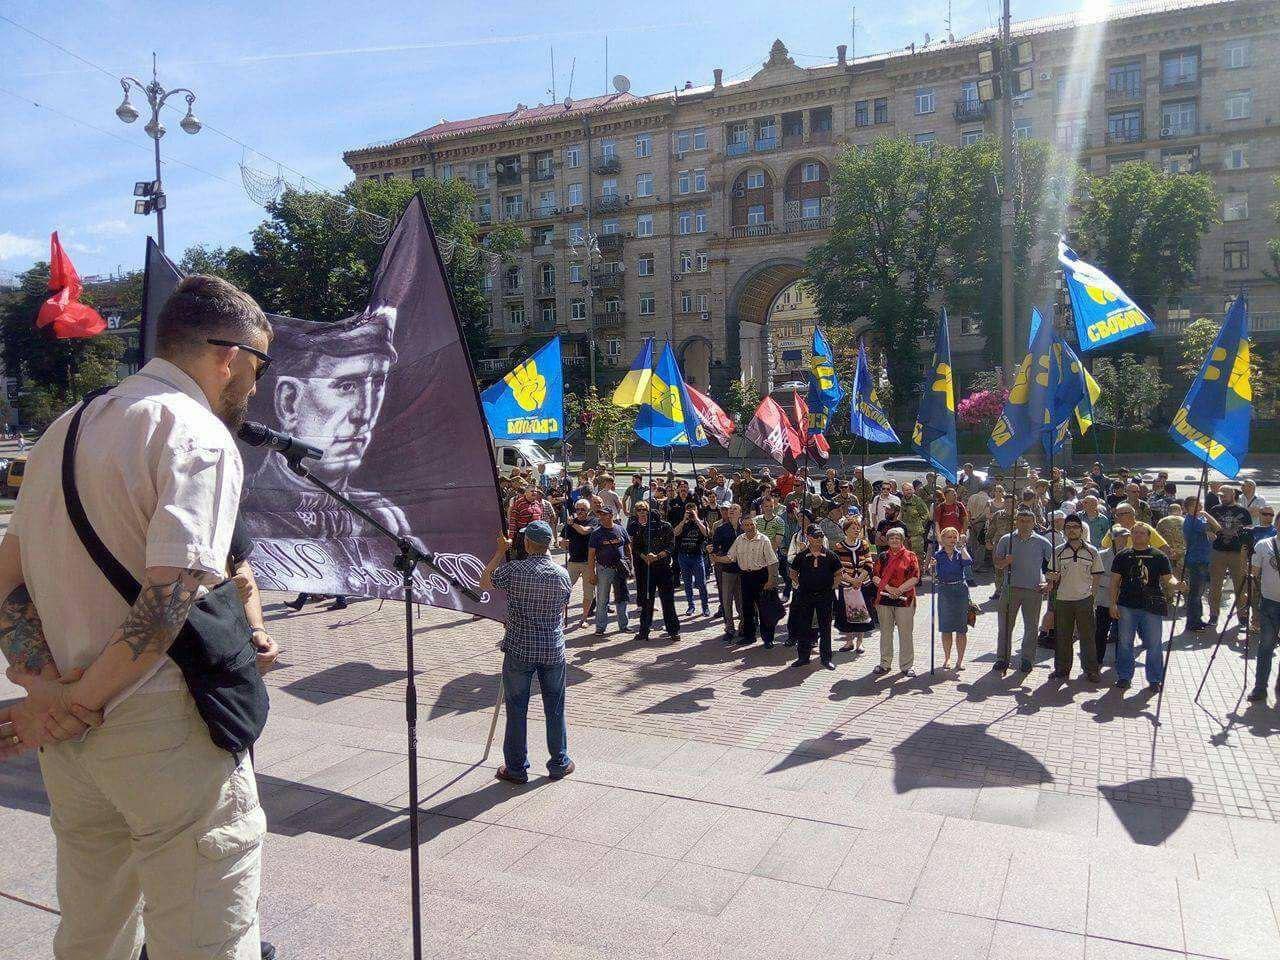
[703, 201]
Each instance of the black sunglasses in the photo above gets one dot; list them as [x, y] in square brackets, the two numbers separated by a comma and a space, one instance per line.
[264, 358]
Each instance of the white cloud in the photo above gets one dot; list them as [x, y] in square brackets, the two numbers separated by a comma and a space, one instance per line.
[107, 228]
[14, 247]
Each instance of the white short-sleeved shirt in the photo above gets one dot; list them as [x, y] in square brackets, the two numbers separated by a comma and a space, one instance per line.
[1266, 562]
[752, 555]
[159, 476]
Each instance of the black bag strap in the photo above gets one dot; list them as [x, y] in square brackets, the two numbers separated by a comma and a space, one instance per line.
[111, 568]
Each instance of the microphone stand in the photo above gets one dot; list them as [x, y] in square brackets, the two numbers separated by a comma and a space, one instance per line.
[407, 561]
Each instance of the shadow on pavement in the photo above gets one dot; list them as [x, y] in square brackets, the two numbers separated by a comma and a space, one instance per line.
[825, 747]
[344, 680]
[945, 746]
[690, 701]
[1150, 810]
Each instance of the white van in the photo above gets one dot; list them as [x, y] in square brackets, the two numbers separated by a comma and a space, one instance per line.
[523, 454]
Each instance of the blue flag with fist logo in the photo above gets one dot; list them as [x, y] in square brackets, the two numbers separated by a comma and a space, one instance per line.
[867, 418]
[1027, 414]
[934, 436]
[1104, 313]
[528, 403]
[824, 389]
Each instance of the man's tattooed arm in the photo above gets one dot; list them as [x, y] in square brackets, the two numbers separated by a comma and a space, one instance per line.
[22, 640]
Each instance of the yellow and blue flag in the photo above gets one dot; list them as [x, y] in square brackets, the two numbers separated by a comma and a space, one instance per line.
[1213, 422]
[1084, 409]
[667, 418]
[1104, 313]
[867, 418]
[824, 389]
[528, 403]
[1026, 414]
[634, 388]
[934, 435]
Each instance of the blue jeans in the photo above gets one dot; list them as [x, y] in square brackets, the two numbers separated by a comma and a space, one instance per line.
[1197, 583]
[605, 577]
[1269, 621]
[693, 574]
[517, 682]
[1148, 626]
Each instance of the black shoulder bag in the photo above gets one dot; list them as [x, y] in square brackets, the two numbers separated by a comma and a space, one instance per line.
[213, 650]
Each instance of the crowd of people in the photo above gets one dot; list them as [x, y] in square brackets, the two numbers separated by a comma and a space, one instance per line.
[1088, 563]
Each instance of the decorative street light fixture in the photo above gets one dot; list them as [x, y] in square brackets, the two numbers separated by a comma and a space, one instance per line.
[589, 247]
[151, 191]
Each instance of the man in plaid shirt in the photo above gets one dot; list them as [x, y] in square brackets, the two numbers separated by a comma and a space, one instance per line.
[537, 596]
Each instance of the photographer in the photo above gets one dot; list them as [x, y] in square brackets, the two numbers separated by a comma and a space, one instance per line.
[691, 536]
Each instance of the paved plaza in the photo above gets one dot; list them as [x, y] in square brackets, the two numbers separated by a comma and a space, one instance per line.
[728, 806]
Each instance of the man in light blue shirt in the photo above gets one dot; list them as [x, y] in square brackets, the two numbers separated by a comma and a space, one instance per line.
[1197, 526]
[1022, 556]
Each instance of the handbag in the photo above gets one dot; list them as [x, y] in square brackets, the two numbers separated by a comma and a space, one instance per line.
[973, 614]
[855, 605]
[213, 649]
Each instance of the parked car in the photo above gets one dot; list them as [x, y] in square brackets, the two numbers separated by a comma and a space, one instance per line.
[525, 454]
[894, 468]
[13, 476]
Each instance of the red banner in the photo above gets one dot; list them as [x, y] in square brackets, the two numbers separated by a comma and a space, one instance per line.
[714, 420]
[772, 432]
[817, 443]
[70, 317]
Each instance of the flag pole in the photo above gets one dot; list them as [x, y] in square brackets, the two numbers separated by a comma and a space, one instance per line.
[933, 587]
[1007, 601]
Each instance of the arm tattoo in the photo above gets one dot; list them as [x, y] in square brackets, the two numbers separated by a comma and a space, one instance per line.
[158, 614]
[21, 633]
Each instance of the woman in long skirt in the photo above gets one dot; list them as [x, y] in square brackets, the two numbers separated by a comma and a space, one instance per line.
[952, 568]
[857, 561]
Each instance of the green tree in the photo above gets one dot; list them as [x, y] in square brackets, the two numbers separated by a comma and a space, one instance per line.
[1273, 245]
[740, 401]
[1144, 228]
[1132, 391]
[308, 261]
[610, 427]
[52, 374]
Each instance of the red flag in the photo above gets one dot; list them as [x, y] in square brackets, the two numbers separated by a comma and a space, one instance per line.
[816, 442]
[714, 420]
[70, 317]
[772, 432]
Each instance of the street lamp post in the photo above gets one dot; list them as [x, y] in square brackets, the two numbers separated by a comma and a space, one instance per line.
[153, 193]
[589, 247]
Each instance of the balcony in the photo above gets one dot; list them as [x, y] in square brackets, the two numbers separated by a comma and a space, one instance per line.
[1180, 83]
[611, 203]
[611, 242]
[1125, 93]
[509, 177]
[1126, 134]
[971, 111]
[1181, 130]
[807, 223]
[513, 214]
[793, 140]
[492, 365]
[606, 165]
[513, 290]
[820, 136]
[542, 174]
[547, 289]
[766, 144]
[541, 325]
[607, 278]
[754, 230]
[1259, 322]
[483, 217]
[737, 149]
[610, 319]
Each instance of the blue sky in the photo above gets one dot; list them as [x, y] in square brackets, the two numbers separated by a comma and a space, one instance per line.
[304, 80]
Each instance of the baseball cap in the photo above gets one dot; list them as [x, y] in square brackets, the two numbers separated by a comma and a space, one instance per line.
[539, 531]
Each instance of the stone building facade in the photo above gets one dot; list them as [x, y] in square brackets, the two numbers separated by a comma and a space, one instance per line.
[706, 199]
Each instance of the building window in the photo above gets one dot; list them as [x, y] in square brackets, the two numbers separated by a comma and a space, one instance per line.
[613, 348]
[609, 188]
[577, 309]
[881, 107]
[702, 261]
[1235, 207]
[811, 172]
[1177, 310]
[1235, 158]
[543, 235]
[686, 301]
[755, 215]
[417, 173]
[548, 274]
[480, 175]
[575, 273]
[926, 140]
[644, 225]
[548, 311]
[699, 138]
[684, 182]
[646, 305]
[811, 208]
[702, 303]
[574, 195]
[1022, 129]
[1124, 81]
[1235, 255]
[1236, 54]
[1179, 69]
[487, 283]
[644, 185]
[513, 205]
[545, 166]
[862, 113]
[1178, 119]
[446, 172]
[644, 266]
[685, 222]
[684, 141]
[608, 149]
[573, 156]
[1239, 104]
[699, 181]
[926, 101]
[515, 316]
[547, 202]
[1179, 161]
[577, 234]
[686, 261]
[969, 325]
[970, 137]
[700, 221]
[644, 146]
[755, 179]
[610, 226]
[484, 210]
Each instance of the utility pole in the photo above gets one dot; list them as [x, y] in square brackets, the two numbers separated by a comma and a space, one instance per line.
[1008, 338]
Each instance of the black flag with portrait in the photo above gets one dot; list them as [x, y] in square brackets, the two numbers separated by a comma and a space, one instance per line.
[390, 396]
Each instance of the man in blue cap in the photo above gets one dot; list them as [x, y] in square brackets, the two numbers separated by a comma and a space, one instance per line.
[537, 595]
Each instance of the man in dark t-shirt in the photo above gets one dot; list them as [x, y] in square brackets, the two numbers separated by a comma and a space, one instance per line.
[814, 574]
[1138, 576]
[728, 574]
[1230, 549]
[574, 539]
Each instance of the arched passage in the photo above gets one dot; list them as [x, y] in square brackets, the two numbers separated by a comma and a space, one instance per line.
[747, 314]
[695, 361]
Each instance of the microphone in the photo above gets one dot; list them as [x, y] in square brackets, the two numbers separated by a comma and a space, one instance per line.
[257, 435]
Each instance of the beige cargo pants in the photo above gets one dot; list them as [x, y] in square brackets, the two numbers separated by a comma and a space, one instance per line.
[156, 828]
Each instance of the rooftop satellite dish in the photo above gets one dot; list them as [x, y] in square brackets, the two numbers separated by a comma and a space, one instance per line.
[568, 103]
[621, 84]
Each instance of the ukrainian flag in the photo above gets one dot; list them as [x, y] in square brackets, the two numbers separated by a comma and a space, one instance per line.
[1027, 414]
[1084, 409]
[867, 418]
[934, 435]
[1213, 421]
[634, 387]
[824, 389]
[667, 418]
[528, 403]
